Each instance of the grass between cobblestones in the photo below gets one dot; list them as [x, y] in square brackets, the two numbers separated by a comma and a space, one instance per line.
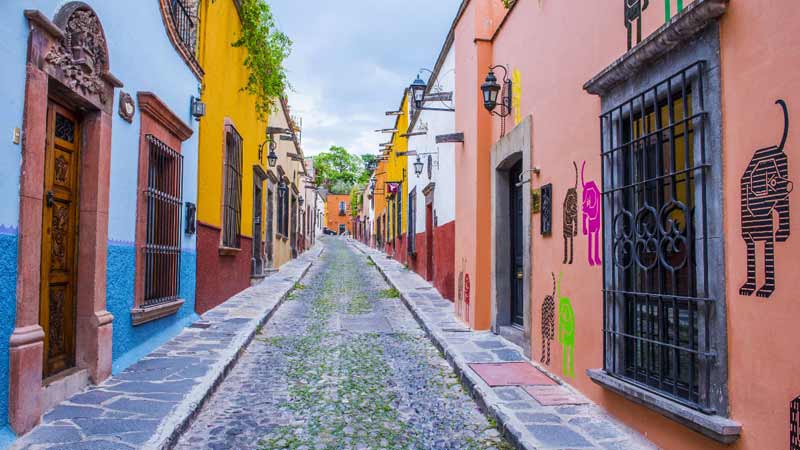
[347, 389]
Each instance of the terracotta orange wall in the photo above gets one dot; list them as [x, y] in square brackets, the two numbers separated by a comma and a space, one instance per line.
[473, 247]
[334, 219]
[760, 50]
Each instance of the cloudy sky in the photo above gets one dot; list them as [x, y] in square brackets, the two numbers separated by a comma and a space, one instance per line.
[351, 60]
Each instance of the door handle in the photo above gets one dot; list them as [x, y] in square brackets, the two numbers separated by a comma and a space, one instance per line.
[520, 275]
[49, 198]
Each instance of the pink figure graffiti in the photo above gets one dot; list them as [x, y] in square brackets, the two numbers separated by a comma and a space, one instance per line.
[591, 217]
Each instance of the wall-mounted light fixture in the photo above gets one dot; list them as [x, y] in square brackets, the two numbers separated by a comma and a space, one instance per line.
[272, 157]
[282, 189]
[419, 166]
[420, 94]
[300, 201]
[491, 89]
[198, 108]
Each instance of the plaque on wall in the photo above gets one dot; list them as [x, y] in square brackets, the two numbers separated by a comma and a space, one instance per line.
[536, 201]
[126, 106]
[547, 209]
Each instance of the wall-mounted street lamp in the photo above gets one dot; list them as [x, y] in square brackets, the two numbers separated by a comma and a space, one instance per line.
[300, 201]
[272, 157]
[420, 94]
[491, 89]
[282, 189]
[198, 108]
[419, 166]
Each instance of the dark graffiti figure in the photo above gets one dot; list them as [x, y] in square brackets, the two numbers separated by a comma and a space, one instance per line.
[633, 13]
[548, 323]
[794, 424]
[765, 194]
[571, 219]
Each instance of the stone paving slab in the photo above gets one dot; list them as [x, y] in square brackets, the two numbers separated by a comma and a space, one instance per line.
[527, 423]
[149, 404]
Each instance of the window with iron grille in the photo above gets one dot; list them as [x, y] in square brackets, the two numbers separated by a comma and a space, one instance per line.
[412, 221]
[162, 249]
[658, 327]
[285, 214]
[342, 208]
[232, 196]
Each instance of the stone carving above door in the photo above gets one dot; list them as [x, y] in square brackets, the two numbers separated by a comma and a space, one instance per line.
[81, 54]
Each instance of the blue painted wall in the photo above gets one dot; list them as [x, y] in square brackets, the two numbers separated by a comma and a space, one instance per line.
[143, 58]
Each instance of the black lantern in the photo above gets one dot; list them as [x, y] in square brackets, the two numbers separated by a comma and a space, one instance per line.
[491, 90]
[198, 108]
[272, 157]
[418, 88]
[418, 166]
[282, 189]
[301, 200]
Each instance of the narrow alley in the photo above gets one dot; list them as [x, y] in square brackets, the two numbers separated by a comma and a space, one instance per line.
[341, 365]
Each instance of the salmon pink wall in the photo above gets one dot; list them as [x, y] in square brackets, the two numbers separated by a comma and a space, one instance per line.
[760, 49]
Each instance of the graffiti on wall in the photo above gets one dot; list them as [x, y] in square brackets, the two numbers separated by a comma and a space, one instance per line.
[765, 188]
[591, 218]
[633, 13]
[548, 323]
[668, 9]
[794, 424]
[516, 96]
[547, 210]
[571, 219]
[566, 330]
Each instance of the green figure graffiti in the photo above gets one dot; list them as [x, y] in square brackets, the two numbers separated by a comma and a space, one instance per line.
[668, 9]
[566, 330]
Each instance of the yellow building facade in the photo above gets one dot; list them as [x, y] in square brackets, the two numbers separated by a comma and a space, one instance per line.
[396, 175]
[230, 135]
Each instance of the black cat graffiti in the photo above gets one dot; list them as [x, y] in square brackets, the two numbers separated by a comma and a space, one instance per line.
[765, 193]
[633, 13]
[548, 323]
[794, 424]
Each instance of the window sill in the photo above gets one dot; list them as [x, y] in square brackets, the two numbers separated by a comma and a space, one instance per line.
[229, 251]
[143, 315]
[718, 428]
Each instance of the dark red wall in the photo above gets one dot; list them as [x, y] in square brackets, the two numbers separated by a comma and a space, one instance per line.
[219, 277]
[443, 259]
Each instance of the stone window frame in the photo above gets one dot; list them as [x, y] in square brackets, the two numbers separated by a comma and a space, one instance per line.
[691, 36]
[159, 120]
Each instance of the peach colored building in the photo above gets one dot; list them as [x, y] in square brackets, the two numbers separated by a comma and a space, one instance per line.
[649, 192]
[338, 217]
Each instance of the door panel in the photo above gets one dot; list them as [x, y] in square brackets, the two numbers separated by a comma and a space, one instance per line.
[270, 214]
[429, 240]
[59, 239]
[517, 256]
[258, 259]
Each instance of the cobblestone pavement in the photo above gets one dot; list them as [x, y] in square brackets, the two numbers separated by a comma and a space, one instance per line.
[145, 405]
[558, 418]
[342, 365]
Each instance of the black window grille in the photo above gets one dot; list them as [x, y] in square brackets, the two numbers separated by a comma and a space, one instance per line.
[412, 221]
[185, 22]
[162, 250]
[656, 290]
[342, 208]
[232, 197]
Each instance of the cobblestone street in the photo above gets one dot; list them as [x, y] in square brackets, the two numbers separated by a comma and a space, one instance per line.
[341, 365]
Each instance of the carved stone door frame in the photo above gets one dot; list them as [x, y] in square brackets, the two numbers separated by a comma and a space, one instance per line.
[67, 62]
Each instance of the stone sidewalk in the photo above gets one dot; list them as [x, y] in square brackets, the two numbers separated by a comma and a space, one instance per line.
[576, 423]
[148, 405]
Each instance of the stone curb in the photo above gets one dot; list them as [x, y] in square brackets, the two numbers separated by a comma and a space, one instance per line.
[487, 400]
[180, 419]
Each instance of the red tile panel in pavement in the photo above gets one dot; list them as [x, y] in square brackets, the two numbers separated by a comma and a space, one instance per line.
[511, 374]
[554, 396]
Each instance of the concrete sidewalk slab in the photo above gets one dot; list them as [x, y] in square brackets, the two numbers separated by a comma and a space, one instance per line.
[148, 405]
[527, 423]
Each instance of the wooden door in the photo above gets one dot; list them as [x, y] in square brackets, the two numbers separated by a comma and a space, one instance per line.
[59, 239]
[270, 214]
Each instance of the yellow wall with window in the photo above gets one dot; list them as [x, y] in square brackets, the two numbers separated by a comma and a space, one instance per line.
[225, 76]
[397, 167]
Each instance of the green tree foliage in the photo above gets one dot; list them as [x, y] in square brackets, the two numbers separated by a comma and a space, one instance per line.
[356, 199]
[339, 171]
[267, 49]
